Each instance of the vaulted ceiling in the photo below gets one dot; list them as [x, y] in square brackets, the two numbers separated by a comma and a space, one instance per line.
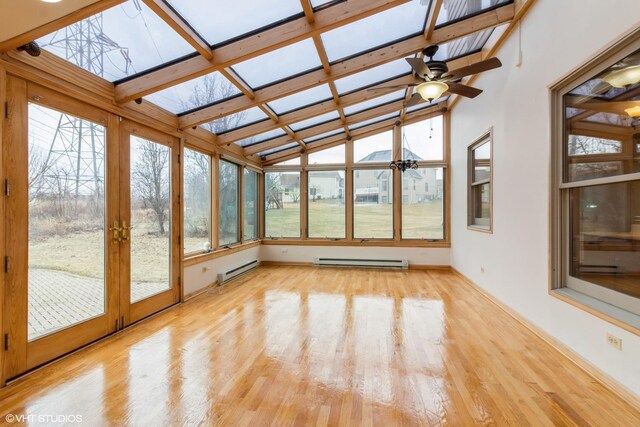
[276, 76]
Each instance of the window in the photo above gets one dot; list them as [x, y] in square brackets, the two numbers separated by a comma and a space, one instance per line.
[480, 187]
[330, 155]
[282, 204]
[373, 204]
[250, 207]
[597, 181]
[197, 202]
[423, 211]
[376, 148]
[326, 204]
[424, 140]
[228, 194]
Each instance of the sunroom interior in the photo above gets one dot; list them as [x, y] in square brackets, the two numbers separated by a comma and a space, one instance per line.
[223, 192]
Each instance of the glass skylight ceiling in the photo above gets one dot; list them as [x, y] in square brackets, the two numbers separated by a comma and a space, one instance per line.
[375, 102]
[324, 135]
[332, 115]
[453, 11]
[132, 37]
[278, 149]
[276, 133]
[317, 3]
[279, 64]
[374, 120]
[237, 120]
[194, 93]
[221, 20]
[463, 45]
[376, 30]
[301, 99]
[372, 76]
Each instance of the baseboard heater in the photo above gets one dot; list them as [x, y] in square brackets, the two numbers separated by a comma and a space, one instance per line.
[235, 272]
[401, 264]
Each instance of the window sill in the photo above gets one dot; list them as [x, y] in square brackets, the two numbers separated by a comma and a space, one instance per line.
[358, 242]
[480, 228]
[621, 318]
[201, 257]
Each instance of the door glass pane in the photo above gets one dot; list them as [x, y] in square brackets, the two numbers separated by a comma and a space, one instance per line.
[326, 204]
[228, 232]
[373, 204]
[250, 208]
[422, 203]
[66, 275]
[282, 204]
[150, 218]
[197, 202]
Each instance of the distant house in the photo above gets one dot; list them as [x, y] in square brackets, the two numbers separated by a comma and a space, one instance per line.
[375, 186]
[326, 185]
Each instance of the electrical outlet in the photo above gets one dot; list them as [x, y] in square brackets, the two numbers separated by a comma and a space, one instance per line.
[614, 341]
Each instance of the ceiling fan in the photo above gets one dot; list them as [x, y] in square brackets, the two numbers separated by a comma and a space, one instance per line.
[433, 78]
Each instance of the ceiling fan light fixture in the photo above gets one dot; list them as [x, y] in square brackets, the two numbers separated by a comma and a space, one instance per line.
[633, 111]
[624, 77]
[430, 91]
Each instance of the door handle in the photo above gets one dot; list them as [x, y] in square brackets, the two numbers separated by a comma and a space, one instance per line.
[116, 232]
[125, 236]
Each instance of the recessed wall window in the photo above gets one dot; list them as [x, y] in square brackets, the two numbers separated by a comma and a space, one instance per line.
[197, 201]
[282, 204]
[373, 204]
[228, 194]
[597, 195]
[480, 185]
[326, 204]
[423, 204]
[250, 207]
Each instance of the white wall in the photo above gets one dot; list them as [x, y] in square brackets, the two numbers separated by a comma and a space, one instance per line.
[201, 275]
[290, 253]
[556, 37]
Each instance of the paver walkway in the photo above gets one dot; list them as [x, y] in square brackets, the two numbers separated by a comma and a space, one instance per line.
[58, 299]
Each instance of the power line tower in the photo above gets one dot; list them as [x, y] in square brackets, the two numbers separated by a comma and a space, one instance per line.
[77, 152]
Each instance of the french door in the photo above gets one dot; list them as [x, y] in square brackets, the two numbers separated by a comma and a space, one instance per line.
[90, 234]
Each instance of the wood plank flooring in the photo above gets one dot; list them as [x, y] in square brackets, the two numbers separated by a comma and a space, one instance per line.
[321, 346]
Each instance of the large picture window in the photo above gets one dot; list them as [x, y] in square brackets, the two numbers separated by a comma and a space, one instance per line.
[228, 214]
[282, 204]
[373, 204]
[326, 204]
[598, 188]
[480, 185]
[423, 204]
[197, 201]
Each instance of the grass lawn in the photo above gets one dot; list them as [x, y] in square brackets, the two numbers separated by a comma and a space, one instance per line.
[327, 219]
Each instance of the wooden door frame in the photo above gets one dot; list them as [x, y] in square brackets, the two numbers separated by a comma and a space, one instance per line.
[25, 355]
[133, 312]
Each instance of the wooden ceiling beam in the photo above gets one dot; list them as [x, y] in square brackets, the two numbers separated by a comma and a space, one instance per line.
[308, 10]
[434, 12]
[55, 25]
[251, 47]
[175, 21]
[477, 23]
[316, 78]
[312, 111]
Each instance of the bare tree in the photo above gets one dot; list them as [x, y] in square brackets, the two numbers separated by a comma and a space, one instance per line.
[38, 168]
[150, 179]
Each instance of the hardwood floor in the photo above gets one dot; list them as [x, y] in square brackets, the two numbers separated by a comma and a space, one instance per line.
[311, 346]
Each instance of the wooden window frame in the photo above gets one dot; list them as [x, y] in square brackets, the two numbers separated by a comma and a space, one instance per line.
[474, 223]
[598, 303]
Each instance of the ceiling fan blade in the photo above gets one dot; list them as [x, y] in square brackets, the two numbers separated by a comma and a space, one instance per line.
[415, 100]
[420, 67]
[463, 90]
[488, 64]
[394, 87]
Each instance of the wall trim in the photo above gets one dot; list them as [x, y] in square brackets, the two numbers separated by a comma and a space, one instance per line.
[199, 258]
[199, 292]
[359, 242]
[310, 264]
[593, 371]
